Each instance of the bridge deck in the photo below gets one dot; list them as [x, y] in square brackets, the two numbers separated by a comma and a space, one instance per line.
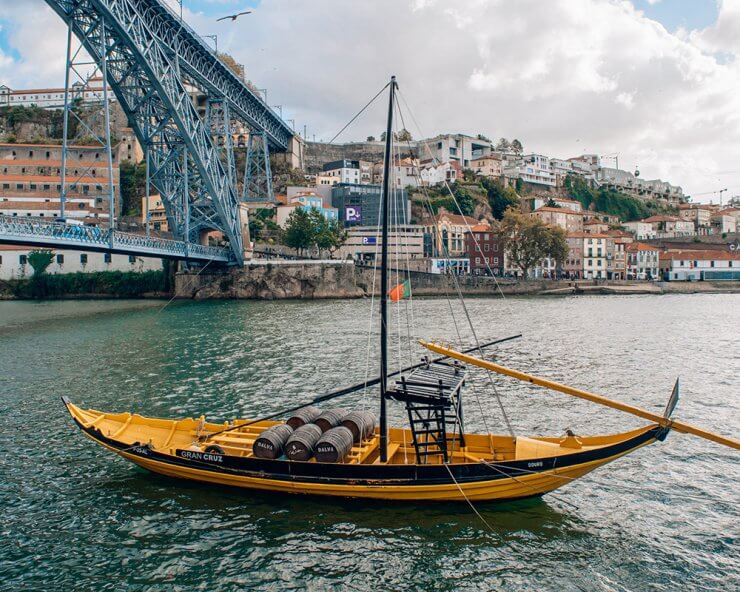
[33, 232]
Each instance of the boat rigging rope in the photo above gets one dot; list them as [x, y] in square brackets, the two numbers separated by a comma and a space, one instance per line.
[202, 269]
[360, 112]
[472, 507]
[532, 489]
[459, 291]
[454, 198]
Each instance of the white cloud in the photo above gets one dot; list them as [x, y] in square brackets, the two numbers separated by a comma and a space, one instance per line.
[563, 76]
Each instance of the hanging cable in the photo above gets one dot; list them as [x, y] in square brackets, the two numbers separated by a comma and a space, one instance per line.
[460, 295]
[465, 497]
[360, 112]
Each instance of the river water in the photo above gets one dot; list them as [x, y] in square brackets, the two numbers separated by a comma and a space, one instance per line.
[77, 518]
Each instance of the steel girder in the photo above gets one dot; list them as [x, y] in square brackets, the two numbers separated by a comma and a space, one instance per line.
[201, 64]
[144, 73]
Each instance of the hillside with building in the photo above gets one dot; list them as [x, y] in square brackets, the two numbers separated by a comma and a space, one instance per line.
[449, 195]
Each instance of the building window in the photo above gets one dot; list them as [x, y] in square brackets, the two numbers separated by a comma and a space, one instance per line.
[60, 259]
[132, 258]
[107, 257]
[83, 259]
[23, 259]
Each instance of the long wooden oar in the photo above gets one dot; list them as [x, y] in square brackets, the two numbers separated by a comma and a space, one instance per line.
[679, 426]
[349, 389]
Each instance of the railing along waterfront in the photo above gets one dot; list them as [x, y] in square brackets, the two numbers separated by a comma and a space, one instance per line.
[35, 232]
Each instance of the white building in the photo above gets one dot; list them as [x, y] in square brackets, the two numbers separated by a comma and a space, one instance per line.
[643, 262]
[535, 168]
[595, 256]
[437, 173]
[457, 148]
[53, 98]
[641, 230]
[699, 265]
[340, 171]
[723, 223]
[405, 242]
[406, 173]
[14, 262]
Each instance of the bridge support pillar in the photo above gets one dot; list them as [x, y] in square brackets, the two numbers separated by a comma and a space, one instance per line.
[257, 174]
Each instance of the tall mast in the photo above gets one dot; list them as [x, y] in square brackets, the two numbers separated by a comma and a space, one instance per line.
[384, 277]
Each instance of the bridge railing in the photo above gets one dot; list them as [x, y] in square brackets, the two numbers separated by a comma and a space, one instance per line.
[72, 235]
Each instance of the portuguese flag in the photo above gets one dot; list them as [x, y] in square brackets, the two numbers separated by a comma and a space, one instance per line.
[400, 291]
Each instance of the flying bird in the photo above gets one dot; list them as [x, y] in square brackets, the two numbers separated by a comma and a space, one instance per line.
[233, 17]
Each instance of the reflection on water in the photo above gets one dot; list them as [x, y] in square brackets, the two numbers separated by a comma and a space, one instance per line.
[664, 518]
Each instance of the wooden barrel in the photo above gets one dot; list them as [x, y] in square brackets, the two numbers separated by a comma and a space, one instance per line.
[301, 444]
[330, 418]
[271, 442]
[303, 416]
[334, 445]
[360, 423]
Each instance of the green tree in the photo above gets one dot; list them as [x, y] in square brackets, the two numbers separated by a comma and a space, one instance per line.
[404, 136]
[40, 260]
[329, 234]
[133, 187]
[299, 231]
[503, 145]
[516, 146]
[528, 240]
[500, 197]
[465, 201]
[370, 139]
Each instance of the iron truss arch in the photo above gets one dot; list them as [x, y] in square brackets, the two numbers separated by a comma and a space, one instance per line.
[149, 54]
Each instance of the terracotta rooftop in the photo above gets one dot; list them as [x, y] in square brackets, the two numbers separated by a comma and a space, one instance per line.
[700, 255]
[642, 247]
[587, 235]
[51, 178]
[661, 219]
[42, 205]
[557, 210]
[76, 147]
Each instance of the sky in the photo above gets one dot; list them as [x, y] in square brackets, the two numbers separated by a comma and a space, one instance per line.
[656, 82]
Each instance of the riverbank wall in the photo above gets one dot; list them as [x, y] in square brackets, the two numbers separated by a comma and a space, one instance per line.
[277, 280]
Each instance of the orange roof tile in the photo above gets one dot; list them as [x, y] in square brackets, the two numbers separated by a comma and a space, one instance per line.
[642, 247]
[566, 211]
[706, 255]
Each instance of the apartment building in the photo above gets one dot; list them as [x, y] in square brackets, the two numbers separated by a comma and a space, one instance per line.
[53, 98]
[457, 148]
[564, 218]
[449, 232]
[30, 182]
[642, 261]
[699, 265]
[485, 250]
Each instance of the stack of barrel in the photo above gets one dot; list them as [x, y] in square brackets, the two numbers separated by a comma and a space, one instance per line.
[328, 435]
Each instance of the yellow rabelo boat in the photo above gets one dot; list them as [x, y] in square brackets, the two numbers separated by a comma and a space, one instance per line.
[434, 459]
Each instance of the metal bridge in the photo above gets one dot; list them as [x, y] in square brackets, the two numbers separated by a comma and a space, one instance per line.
[35, 233]
[152, 60]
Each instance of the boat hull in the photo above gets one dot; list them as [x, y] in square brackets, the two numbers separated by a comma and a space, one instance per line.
[474, 481]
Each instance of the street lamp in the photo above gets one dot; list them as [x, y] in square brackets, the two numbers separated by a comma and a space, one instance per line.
[292, 123]
[215, 40]
[264, 94]
[279, 107]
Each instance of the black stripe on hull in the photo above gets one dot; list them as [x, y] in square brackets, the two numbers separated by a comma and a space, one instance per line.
[376, 475]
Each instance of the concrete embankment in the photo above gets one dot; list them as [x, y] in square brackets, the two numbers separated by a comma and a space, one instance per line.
[265, 280]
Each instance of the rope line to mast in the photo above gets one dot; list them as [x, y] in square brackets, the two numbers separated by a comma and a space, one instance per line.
[360, 112]
[472, 507]
[459, 291]
[191, 279]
